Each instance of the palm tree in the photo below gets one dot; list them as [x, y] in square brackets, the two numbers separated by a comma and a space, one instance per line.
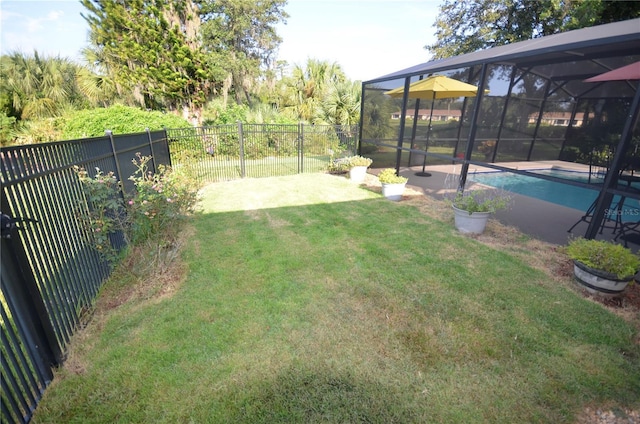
[341, 104]
[96, 84]
[38, 87]
[308, 86]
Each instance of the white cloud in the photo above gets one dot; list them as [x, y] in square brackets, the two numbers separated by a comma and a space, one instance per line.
[55, 15]
[6, 15]
[40, 24]
[34, 25]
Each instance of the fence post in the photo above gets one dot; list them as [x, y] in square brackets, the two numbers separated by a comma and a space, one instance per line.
[166, 144]
[153, 156]
[300, 148]
[241, 140]
[115, 159]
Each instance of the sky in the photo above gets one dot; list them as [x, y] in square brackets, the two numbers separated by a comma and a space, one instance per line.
[367, 38]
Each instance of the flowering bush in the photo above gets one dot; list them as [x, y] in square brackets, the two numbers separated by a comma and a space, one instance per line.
[153, 213]
[161, 199]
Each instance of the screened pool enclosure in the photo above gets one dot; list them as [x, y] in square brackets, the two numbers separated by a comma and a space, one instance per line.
[533, 103]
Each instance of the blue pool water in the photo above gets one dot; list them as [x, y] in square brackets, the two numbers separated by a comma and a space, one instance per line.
[561, 194]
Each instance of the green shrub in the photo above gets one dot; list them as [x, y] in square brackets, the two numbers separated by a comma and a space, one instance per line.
[359, 161]
[104, 212]
[228, 145]
[322, 143]
[160, 201]
[7, 129]
[604, 256]
[216, 113]
[38, 131]
[153, 213]
[119, 119]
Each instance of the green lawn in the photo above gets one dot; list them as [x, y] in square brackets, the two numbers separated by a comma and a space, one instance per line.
[309, 299]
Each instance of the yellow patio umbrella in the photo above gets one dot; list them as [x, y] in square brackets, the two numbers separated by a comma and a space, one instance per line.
[436, 87]
[432, 88]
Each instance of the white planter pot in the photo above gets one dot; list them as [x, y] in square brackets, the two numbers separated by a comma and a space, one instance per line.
[393, 192]
[599, 282]
[357, 174]
[473, 223]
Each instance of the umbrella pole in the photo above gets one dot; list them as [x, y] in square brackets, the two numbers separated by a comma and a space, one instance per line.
[424, 162]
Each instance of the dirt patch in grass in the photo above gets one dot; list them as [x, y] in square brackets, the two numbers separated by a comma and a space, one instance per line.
[149, 273]
[145, 275]
[613, 415]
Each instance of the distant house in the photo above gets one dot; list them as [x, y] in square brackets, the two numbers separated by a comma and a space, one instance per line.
[438, 114]
[559, 119]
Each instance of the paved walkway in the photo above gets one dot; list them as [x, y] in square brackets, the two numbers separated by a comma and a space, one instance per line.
[540, 219]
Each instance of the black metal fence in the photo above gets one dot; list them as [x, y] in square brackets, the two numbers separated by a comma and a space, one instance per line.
[227, 152]
[50, 272]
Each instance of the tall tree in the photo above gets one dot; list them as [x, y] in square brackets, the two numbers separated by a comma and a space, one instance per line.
[151, 48]
[467, 26]
[240, 35]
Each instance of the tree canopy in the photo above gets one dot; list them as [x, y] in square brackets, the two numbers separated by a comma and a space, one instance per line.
[203, 60]
[152, 49]
[178, 55]
[468, 26]
[240, 35]
[35, 87]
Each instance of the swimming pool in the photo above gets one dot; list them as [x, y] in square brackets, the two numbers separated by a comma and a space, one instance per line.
[561, 194]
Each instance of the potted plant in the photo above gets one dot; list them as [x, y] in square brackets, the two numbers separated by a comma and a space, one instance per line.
[392, 184]
[338, 166]
[472, 208]
[602, 267]
[358, 167]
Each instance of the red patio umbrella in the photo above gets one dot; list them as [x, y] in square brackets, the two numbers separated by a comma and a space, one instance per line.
[625, 73]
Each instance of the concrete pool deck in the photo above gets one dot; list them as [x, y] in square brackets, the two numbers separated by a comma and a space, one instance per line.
[538, 218]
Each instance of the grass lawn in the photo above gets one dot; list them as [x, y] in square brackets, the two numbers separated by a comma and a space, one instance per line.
[309, 299]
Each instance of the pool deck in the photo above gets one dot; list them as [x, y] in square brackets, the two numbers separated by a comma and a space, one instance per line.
[540, 219]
